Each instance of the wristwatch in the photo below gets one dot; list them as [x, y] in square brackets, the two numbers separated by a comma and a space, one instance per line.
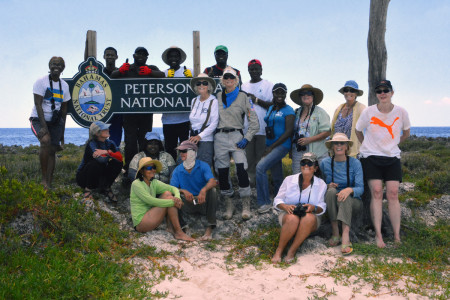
[315, 208]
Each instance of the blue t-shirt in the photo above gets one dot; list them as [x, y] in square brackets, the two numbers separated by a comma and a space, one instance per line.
[340, 174]
[194, 181]
[276, 119]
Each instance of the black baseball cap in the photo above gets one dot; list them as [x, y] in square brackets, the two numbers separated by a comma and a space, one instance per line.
[385, 83]
[141, 49]
[279, 86]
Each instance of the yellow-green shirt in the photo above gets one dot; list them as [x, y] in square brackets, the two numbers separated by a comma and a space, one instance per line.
[143, 197]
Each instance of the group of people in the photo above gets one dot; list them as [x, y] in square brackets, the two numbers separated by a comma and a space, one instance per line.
[252, 124]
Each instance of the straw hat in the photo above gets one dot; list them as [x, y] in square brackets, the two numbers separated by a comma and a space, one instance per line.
[146, 161]
[182, 53]
[318, 94]
[203, 77]
[338, 137]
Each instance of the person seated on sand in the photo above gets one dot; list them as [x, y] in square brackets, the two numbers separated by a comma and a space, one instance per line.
[344, 177]
[153, 148]
[197, 186]
[307, 189]
[151, 200]
[101, 164]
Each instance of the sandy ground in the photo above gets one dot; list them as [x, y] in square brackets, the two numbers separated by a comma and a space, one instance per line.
[205, 275]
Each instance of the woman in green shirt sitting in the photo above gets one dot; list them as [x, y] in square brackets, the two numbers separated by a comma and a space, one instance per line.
[151, 200]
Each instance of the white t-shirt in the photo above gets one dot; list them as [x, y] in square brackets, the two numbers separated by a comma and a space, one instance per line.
[262, 90]
[198, 114]
[175, 118]
[42, 88]
[383, 131]
[289, 193]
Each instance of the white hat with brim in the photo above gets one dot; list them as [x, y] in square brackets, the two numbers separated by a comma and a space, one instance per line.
[338, 137]
[203, 77]
[318, 94]
[146, 161]
[166, 52]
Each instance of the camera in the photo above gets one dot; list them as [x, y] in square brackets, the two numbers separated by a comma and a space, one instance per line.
[194, 132]
[300, 210]
[270, 134]
[56, 116]
[299, 147]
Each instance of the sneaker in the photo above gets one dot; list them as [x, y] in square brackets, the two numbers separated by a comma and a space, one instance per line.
[264, 209]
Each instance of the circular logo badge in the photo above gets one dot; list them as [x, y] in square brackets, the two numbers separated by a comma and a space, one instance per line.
[91, 97]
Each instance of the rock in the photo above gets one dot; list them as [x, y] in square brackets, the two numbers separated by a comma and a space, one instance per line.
[25, 224]
[438, 208]
[406, 187]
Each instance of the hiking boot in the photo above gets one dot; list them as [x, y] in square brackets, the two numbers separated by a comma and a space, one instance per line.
[246, 214]
[264, 208]
[229, 208]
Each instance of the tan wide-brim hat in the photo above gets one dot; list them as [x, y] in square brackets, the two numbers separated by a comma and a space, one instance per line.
[203, 77]
[164, 55]
[318, 94]
[146, 161]
[338, 137]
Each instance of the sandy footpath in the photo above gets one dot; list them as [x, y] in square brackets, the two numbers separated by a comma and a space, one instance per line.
[205, 275]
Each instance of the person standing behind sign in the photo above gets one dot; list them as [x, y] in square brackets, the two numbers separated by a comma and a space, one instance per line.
[231, 141]
[136, 125]
[260, 92]
[204, 117]
[48, 116]
[116, 121]
[221, 56]
[175, 125]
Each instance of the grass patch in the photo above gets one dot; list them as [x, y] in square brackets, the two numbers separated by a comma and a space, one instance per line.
[65, 250]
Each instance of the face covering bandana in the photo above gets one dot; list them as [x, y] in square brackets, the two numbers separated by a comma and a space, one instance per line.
[189, 163]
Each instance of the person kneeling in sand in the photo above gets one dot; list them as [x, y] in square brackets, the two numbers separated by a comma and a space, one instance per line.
[197, 185]
[301, 201]
[147, 209]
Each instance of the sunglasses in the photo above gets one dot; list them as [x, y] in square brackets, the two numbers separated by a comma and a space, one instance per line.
[338, 143]
[346, 90]
[306, 163]
[229, 76]
[306, 93]
[184, 151]
[205, 83]
[149, 168]
[383, 91]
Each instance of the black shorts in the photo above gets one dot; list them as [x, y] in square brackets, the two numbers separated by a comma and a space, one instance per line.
[382, 168]
[56, 131]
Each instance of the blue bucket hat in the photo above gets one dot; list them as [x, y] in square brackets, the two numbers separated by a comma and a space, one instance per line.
[351, 84]
[152, 136]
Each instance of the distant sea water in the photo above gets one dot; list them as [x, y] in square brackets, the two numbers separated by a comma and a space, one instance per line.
[78, 136]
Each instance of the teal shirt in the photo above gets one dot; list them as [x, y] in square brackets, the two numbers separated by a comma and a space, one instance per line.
[319, 122]
[143, 197]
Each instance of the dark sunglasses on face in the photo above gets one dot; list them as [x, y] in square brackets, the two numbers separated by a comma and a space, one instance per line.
[346, 90]
[306, 163]
[199, 83]
[338, 143]
[382, 91]
[229, 76]
[149, 168]
[306, 93]
[184, 151]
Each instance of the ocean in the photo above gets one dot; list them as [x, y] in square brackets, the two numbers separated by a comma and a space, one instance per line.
[78, 136]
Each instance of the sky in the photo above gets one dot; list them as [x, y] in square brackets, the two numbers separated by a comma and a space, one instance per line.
[322, 43]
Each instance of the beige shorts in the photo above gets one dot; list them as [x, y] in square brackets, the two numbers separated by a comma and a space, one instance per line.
[282, 213]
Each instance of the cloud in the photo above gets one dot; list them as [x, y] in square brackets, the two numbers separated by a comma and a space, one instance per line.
[428, 102]
[444, 101]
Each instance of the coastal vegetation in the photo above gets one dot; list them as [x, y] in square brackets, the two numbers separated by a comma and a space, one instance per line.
[55, 245]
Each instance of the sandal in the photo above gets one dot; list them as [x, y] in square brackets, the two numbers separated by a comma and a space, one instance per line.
[349, 246]
[110, 195]
[87, 194]
[334, 241]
